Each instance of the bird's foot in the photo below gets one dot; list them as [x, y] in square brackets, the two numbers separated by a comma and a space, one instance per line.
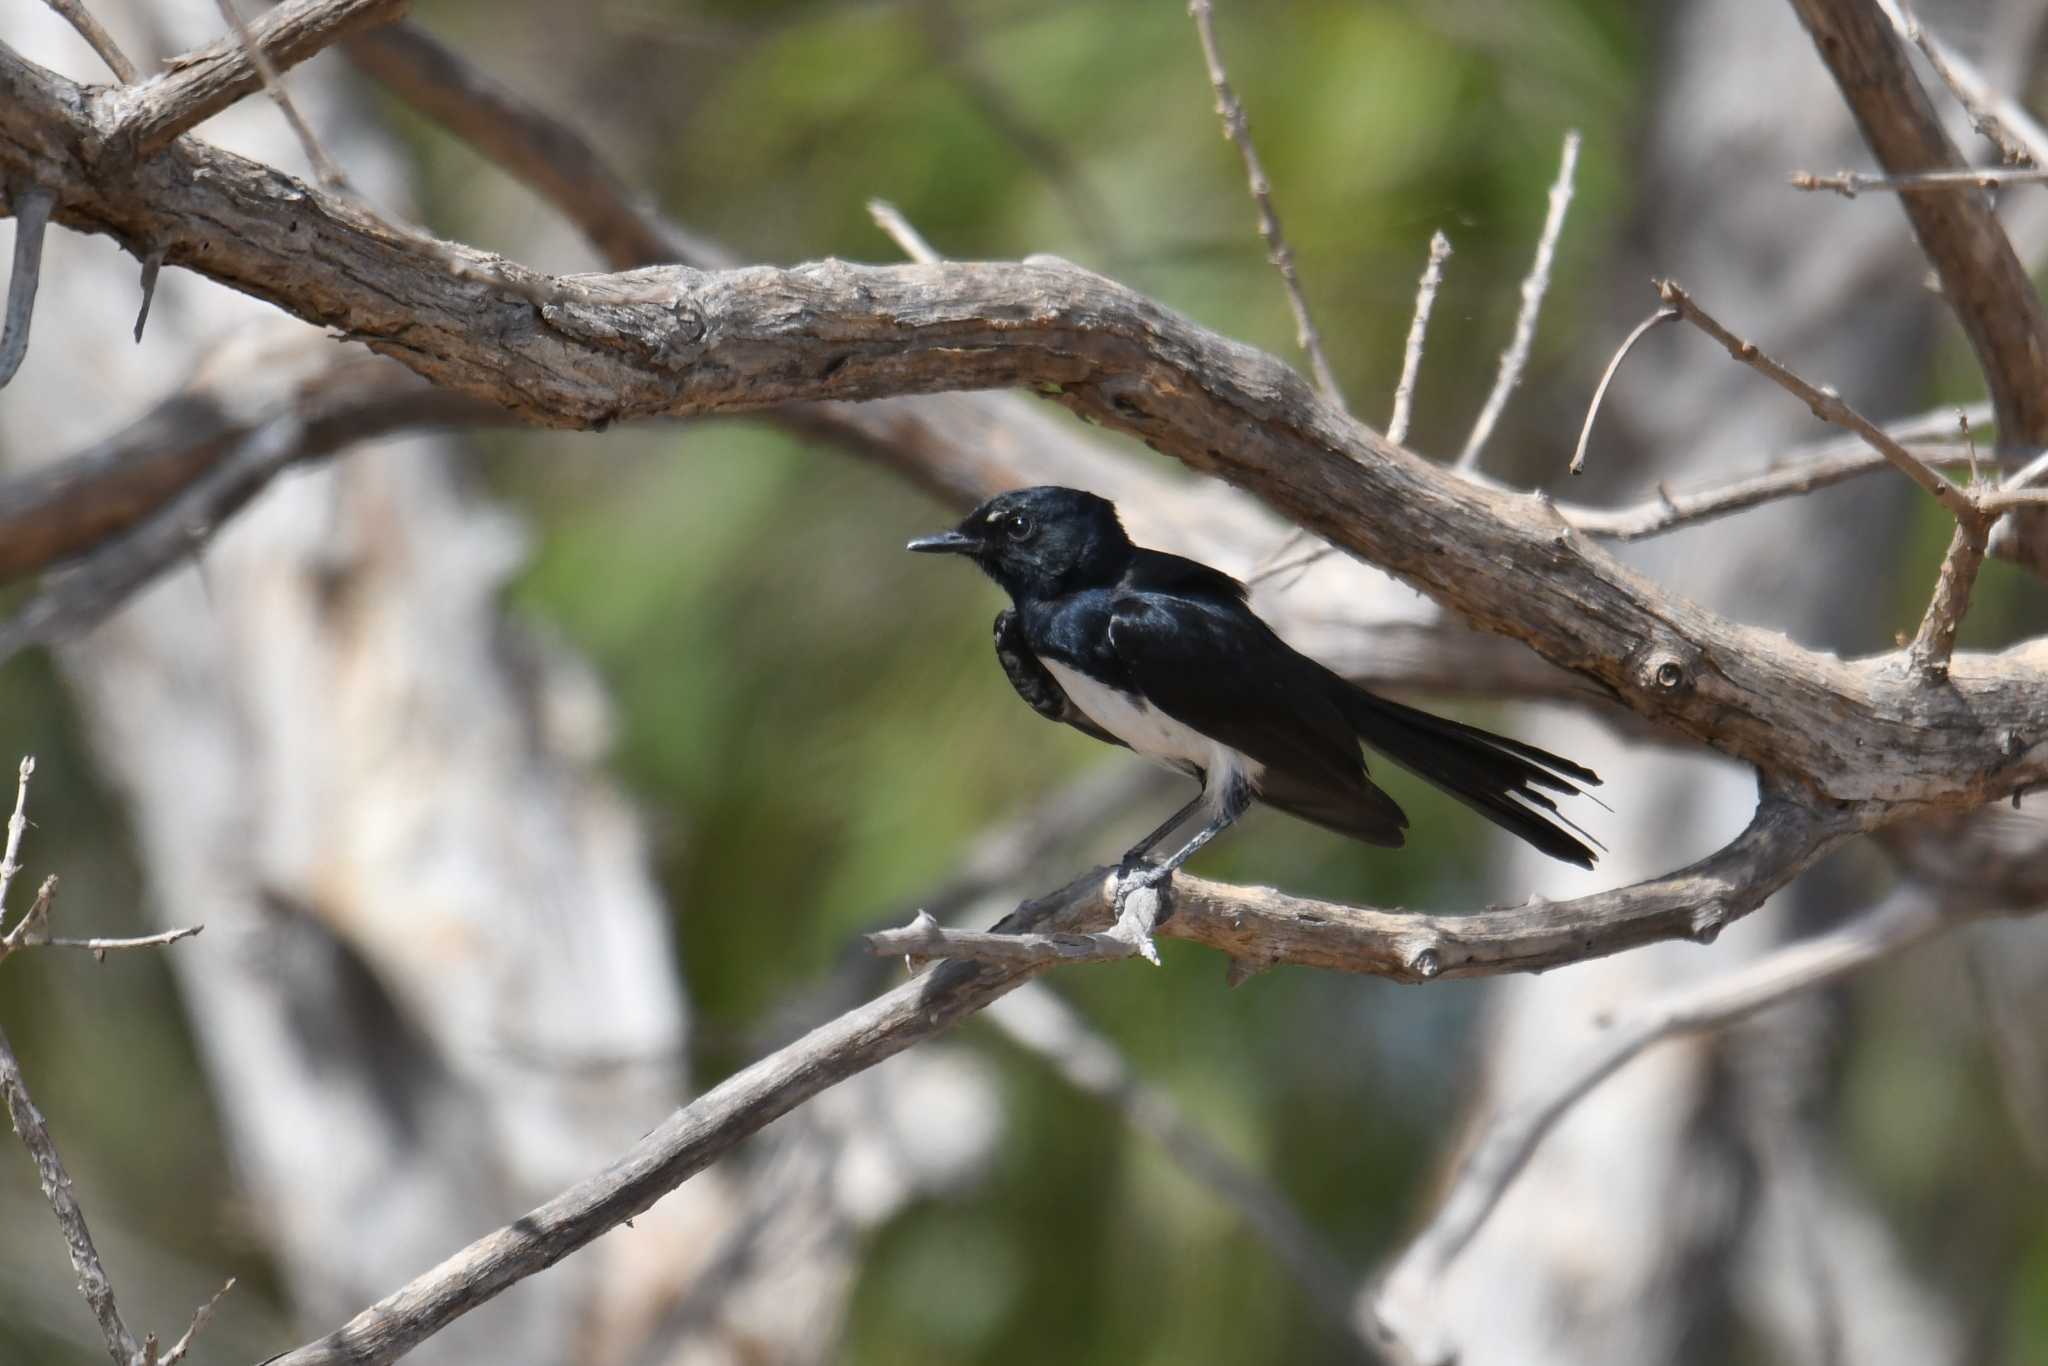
[1137, 903]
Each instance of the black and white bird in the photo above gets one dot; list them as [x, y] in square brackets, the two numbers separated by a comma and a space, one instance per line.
[1162, 654]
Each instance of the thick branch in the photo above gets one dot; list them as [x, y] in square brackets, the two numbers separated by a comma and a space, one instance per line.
[1260, 928]
[1253, 925]
[336, 398]
[547, 155]
[681, 342]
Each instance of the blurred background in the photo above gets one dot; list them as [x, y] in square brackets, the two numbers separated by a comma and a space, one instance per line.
[567, 785]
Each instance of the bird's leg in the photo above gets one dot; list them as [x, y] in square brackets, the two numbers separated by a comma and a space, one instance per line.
[1236, 800]
[1136, 853]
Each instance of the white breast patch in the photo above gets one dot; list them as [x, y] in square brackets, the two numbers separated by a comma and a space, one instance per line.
[1156, 735]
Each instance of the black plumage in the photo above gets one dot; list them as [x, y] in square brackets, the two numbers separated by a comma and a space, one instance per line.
[1164, 655]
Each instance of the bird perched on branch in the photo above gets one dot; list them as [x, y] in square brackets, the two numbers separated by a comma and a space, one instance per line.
[1162, 654]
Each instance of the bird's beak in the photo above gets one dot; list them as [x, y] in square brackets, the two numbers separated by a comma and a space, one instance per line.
[945, 543]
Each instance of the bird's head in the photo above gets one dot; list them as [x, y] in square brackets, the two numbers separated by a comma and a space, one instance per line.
[1040, 542]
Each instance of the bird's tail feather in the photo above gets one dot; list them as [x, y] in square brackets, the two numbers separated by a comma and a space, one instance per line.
[1504, 780]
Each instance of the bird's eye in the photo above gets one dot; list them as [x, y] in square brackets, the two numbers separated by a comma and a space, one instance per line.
[1018, 526]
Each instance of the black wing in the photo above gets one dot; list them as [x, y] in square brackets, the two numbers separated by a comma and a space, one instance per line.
[1035, 683]
[1213, 666]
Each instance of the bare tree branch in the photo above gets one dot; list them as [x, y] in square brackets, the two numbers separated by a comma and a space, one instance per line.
[96, 37]
[1981, 276]
[2019, 139]
[1628, 344]
[1534, 286]
[1849, 184]
[17, 826]
[1262, 928]
[324, 168]
[1238, 129]
[137, 121]
[1418, 330]
[56, 1183]
[1935, 642]
[690, 1140]
[336, 397]
[34, 1133]
[680, 342]
[1826, 405]
[1511, 1136]
[1037, 1019]
[541, 151]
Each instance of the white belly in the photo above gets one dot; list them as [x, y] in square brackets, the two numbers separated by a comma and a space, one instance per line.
[1156, 735]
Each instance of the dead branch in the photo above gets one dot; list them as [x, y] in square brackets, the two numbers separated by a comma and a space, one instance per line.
[1534, 286]
[1825, 403]
[1510, 1137]
[1628, 344]
[1981, 276]
[2020, 140]
[336, 397]
[136, 121]
[689, 1140]
[97, 38]
[1261, 928]
[323, 165]
[684, 342]
[1040, 1021]
[1418, 330]
[544, 153]
[34, 1133]
[1238, 129]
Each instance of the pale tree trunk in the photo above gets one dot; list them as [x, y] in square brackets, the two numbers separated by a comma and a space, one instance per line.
[1693, 1187]
[437, 983]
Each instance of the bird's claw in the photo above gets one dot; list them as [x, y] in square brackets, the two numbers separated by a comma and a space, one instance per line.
[1137, 914]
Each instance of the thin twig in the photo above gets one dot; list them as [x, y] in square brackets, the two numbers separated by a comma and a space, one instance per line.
[1670, 510]
[1037, 1019]
[78, 598]
[1825, 404]
[56, 1183]
[2019, 139]
[925, 937]
[1418, 329]
[1935, 641]
[97, 38]
[1237, 128]
[1511, 1136]
[1534, 286]
[100, 948]
[199, 1319]
[2029, 473]
[31, 217]
[323, 166]
[890, 220]
[1662, 315]
[1849, 184]
[17, 825]
[33, 927]
[35, 1134]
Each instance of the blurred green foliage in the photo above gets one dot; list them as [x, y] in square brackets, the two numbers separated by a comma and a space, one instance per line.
[812, 721]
